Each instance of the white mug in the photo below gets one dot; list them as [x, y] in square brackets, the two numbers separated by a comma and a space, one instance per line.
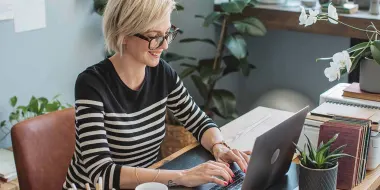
[151, 186]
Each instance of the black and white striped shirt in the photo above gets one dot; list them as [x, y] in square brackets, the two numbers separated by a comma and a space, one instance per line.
[118, 126]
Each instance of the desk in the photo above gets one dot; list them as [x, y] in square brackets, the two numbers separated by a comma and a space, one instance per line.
[195, 154]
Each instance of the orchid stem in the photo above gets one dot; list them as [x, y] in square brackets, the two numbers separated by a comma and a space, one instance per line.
[350, 25]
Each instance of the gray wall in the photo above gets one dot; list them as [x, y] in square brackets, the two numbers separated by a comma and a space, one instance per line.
[45, 62]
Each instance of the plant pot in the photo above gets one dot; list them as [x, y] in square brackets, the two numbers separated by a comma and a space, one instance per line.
[318, 179]
[176, 138]
[369, 78]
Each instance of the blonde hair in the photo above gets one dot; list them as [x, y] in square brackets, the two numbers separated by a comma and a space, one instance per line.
[128, 17]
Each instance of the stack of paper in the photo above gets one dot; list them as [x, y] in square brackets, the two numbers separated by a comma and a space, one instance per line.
[7, 165]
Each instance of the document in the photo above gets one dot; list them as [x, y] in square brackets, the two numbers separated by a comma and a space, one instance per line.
[6, 10]
[29, 15]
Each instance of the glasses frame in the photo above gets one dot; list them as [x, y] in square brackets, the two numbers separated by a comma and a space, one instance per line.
[173, 30]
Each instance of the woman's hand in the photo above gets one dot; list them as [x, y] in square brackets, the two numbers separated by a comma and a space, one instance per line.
[225, 155]
[208, 172]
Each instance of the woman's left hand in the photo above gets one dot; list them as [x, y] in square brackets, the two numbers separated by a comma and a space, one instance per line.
[225, 155]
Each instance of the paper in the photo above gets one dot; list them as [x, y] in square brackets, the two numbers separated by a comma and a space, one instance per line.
[29, 15]
[6, 11]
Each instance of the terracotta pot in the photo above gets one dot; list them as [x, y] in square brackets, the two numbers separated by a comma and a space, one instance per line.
[318, 179]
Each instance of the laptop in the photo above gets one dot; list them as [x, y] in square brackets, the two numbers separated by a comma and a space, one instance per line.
[271, 157]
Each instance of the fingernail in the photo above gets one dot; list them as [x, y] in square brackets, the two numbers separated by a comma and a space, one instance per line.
[245, 171]
[233, 175]
[225, 183]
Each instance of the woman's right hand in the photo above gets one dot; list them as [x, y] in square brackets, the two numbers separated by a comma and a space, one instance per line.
[208, 172]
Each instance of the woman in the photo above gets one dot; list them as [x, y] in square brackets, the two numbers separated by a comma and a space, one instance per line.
[120, 107]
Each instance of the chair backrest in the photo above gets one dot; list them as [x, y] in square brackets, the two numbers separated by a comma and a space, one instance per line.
[43, 147]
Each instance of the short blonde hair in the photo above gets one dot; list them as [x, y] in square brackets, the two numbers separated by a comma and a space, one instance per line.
[128, 17]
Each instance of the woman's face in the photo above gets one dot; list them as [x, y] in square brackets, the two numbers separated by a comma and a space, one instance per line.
[138, 48]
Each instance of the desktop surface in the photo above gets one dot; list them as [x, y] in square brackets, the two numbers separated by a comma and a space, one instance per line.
[199, 155]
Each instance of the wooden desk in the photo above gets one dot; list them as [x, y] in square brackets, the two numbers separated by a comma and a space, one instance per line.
[371, 182]
[286, 18]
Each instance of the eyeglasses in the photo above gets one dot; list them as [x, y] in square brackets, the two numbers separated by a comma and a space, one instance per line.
[156, 42]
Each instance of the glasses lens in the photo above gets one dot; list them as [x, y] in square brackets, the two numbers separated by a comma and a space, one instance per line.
[171, 36]
[156, 42]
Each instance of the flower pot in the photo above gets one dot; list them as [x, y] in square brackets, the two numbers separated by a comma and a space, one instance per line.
[369, 78]
[318, 179]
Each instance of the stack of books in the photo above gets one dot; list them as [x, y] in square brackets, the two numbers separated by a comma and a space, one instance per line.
[7, 166]
[355, 134]
[354, 91]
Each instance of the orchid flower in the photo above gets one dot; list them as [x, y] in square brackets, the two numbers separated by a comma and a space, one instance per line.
[332, 14]
[312, 17]
[303, 16]
[332, 72]
[342, 59]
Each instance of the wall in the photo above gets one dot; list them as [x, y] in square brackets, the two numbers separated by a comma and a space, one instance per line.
[286, 59]
[45, 62]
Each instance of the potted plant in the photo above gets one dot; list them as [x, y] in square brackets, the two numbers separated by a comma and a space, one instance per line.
[35, 107]
[319, 167]
[231, 56]
[365, 54]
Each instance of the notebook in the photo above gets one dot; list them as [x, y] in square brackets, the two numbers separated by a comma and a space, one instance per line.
[330, 109]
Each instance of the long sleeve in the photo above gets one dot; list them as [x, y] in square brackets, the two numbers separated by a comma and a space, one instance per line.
[186, 110]
[91, 133]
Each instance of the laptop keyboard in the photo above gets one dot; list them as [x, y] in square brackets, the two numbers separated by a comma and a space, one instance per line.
[237, 184]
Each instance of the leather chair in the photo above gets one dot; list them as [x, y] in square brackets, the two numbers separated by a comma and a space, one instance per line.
[43, 147]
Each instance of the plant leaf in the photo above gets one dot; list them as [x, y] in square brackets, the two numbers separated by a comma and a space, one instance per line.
[237, 46]
[337, 156]
[99, 6]
[332, 140]
[170, 57]
[357, 47]
[202, 87]
[312, 152]
[186, 72]
[33, 105]
[251, 26]
[2, 124]
[246, 67]
[339, 149]
[13, 101]
[375, 50]
[206, 40]
[52, 107]
[236, 6]
[214, 16]
[224, 101]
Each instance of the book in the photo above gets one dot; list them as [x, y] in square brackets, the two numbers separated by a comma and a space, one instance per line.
[335, 94]
[354, 134]
[354, 91]
[331, 109]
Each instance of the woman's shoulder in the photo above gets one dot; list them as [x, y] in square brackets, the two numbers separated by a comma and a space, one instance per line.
[94, 73]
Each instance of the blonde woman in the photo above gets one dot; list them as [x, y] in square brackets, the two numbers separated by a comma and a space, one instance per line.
[120, 107]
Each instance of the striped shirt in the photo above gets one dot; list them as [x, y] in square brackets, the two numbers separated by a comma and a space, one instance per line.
[118, 126]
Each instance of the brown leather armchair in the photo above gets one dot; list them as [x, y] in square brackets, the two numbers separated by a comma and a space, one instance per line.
[43, 147]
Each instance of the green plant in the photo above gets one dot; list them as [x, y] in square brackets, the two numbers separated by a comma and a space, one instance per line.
[342, 62]
[35, 107]
[322, 157]
[207, 72]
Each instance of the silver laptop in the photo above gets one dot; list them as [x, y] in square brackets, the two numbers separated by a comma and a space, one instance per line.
[271, 157]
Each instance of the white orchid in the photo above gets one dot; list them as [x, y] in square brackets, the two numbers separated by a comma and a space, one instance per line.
[303, 16]
[342, 59]
[332, 72]
[332, 13]
[313, 17]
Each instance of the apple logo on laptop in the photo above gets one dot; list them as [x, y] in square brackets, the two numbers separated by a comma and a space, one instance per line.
[275, 156]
